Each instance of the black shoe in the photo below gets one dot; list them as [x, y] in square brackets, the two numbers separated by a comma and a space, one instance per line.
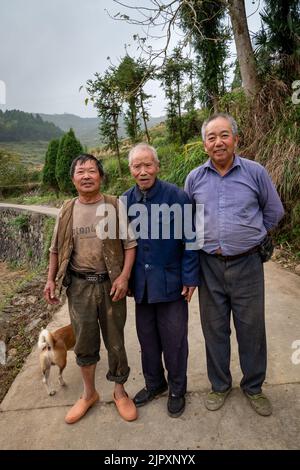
[145, 395]
[176, 406]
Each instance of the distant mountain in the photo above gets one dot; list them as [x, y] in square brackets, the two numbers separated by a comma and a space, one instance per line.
[17, 126]
[86, 129]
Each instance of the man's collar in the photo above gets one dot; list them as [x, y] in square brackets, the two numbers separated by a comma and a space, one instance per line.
[236, 162]
[151, 192]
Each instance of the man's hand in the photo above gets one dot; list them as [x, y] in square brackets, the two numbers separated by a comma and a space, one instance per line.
[49, 293]
[119, 288]
[187, 292]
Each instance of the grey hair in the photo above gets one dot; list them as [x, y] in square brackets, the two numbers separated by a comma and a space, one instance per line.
[142, 146]
[229, 118]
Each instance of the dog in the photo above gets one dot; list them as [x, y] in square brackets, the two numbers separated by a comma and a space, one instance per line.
[53, 351]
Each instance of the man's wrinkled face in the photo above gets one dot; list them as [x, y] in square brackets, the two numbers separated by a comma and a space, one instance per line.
[86, 177]
[144, 169]
[219, 141]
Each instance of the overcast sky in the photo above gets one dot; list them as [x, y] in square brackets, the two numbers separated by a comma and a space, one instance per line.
[48, 48]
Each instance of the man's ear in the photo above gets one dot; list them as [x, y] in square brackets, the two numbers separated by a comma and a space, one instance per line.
[236, 141]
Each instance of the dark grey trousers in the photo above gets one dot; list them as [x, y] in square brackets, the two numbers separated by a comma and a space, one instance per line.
[162, 328]
[237, 286]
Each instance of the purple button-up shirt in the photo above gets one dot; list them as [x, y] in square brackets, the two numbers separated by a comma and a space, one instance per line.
[239, 207]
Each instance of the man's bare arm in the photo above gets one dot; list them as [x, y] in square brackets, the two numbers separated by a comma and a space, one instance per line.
[49, 290]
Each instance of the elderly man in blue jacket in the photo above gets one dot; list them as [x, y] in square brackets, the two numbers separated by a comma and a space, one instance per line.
[165, 275]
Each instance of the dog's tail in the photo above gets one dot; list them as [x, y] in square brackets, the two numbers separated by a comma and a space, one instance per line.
[45, 340]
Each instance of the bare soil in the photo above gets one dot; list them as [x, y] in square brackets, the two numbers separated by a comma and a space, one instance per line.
[23, 312]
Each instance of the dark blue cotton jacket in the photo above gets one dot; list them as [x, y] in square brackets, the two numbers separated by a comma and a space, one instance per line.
[161, 265]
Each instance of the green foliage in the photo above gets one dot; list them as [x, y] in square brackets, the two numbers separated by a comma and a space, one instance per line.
[113, 183]
[17, 126]
[36, 197]
[204, 22]
[48, 176]
[182, 164]
[21, 222]
[172, 75]
[29, 153]
[107, 98]
[131, 76]
[12, 171]
[48, 229]
[69, 148]
[278, 41]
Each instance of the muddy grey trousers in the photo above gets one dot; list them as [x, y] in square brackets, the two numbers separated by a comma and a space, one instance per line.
[91, 309]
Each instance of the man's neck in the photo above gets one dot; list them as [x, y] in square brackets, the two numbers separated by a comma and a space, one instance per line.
[223, 169]
[90, 198]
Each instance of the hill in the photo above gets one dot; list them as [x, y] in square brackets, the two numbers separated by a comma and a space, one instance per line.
[87, 129]
[18, 126]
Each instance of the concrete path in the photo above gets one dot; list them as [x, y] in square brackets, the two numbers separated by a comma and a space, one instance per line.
[30, 419]
[32, 208]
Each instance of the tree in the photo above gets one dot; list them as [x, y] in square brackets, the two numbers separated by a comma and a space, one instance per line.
[69, 148]
[245, 54]
[48, 176]
[20, 126]
[12, 170]
[172, 74]
[278, 41]
[128, 81]
[168, 14]
[131, 76]
[108, 100]
[210, 43]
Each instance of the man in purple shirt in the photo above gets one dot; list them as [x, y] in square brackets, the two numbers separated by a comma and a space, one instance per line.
[241, 206]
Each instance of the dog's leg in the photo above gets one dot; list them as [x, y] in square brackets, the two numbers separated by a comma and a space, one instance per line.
[62, 362]
[60, 377]
[46, 374]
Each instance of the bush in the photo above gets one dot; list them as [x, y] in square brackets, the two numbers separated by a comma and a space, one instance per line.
[182, 164]
[69, 148]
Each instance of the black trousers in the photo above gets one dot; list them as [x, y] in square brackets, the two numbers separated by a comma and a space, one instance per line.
[237, 286]
[162, 330]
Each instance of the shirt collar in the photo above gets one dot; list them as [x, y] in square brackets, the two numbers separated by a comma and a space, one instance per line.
[150, 192]
[236, 162]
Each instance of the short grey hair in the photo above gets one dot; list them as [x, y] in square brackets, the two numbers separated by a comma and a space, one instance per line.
[142, 146]
[229, 118]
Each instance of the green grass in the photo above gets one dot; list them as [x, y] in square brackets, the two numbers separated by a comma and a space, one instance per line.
[31, 153]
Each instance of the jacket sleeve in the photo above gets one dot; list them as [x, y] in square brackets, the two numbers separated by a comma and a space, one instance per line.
[190, 261]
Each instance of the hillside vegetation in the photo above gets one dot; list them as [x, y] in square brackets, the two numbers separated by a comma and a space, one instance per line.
[16, 126]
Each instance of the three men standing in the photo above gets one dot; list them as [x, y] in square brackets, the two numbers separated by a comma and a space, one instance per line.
[241, 206]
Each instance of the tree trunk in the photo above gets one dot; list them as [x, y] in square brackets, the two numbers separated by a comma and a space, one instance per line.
[144, 119]
[179, 110]
[116, 138]
[243, 45]
[215, 103]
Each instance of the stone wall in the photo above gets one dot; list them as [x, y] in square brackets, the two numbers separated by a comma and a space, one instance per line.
[24, 236]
